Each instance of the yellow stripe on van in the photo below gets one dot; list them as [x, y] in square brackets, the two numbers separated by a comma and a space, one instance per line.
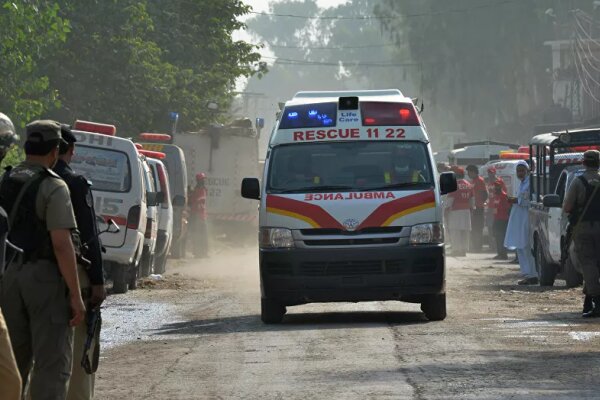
[408, 211]
[290, 214]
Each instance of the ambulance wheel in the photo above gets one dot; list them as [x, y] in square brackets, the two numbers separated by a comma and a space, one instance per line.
[160, 265]
[434, 307]
[546, 271]
[271, 312]
[146, 263]
[119, 276]
[134, 272]
[572, 277]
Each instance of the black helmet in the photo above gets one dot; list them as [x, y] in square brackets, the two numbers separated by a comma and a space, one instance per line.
[8, 135]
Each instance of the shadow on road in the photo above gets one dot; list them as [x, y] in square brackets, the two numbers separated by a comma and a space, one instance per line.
[293, 322]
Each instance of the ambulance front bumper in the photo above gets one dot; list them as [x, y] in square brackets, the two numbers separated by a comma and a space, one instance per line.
[299, 276]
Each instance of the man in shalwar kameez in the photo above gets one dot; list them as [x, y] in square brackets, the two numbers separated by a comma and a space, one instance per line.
[517, 233]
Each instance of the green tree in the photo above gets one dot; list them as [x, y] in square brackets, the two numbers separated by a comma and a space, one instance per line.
[130, 62]
[485, 66]
[29, 32]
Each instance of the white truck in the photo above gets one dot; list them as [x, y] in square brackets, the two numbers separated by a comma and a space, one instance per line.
[555, 169]
[226, 154]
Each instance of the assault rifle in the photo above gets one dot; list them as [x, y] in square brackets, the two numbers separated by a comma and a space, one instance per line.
[93, 322]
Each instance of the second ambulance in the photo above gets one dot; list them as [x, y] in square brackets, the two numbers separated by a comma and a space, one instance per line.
[350, 205]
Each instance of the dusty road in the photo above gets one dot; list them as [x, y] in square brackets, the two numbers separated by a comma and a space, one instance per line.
[198, 335]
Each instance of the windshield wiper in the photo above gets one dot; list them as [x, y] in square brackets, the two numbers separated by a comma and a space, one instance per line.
[309, 189]
[398, 186]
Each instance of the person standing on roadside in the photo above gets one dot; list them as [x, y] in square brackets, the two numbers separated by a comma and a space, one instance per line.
[480, 196]
[91, 278]
[582, 202]
[517, 234]
[40, 293]
[501, 207]
[10, 379]
[198, 216]
[490, 182]
[459, 204]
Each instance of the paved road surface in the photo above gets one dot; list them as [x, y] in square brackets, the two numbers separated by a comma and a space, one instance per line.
[197, 335]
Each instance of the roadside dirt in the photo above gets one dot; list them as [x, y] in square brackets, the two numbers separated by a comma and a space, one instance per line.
[198, 335]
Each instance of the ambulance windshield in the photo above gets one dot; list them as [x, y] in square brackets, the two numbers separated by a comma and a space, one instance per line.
[349, 166]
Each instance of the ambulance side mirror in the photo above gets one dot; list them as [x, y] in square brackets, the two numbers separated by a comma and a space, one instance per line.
[251, 188]
[552, 200]
[448, 182]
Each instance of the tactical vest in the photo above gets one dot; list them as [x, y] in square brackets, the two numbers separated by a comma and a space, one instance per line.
[593, 209]
[27, 230]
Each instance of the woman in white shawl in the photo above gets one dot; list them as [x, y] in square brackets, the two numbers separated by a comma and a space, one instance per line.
[517, 233]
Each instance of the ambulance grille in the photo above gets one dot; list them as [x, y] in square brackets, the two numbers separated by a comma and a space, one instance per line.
[351, 242]
[374, 230]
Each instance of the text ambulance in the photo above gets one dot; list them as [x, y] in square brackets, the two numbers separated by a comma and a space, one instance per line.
[350, 205]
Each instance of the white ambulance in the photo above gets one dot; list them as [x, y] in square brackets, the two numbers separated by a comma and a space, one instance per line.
[349, 206]
[114, 167]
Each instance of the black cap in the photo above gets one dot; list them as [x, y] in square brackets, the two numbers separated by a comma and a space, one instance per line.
[67, 135]
[43, 131]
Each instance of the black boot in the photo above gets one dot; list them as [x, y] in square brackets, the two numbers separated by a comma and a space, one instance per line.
[595, 311]
[587, 305]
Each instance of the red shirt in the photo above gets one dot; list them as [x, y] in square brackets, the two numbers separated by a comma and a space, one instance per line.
[462, 196]
[198, 202]
[480, 192]
[501, 206]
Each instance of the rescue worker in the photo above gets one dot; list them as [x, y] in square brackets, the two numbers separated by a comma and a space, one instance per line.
[198, 217]
[91, 278]
[403, 169]
[490, 182]
[480, 196]
[582, 202]
[40, 296]
[459, 204]
[10, 379]
[501, 208]
[517, 233]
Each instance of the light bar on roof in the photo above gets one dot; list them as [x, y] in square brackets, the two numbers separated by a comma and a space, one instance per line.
[155, 137]
[153, 154]
[95, 127]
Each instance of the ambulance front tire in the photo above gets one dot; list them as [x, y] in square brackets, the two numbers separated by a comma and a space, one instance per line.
[134, 273]
[546, 271]
[434, 307]
[120, 273]
[271, 312]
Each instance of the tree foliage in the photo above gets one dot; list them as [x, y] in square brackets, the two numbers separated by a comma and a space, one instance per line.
[486, 70]
[127, 62]
[30, 31]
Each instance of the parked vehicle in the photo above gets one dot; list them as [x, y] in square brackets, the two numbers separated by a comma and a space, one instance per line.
[478, 153]
[175, 162]
[151, 233]
[350, 209]
[113, 166]
[165, 210]
[549, 183]
[226, 154]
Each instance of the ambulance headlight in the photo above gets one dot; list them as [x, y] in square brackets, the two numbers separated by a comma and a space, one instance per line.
[276, 238]
[427, 234]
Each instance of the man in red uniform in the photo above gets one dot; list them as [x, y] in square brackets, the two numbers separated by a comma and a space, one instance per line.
[459, 215]
[489, 216]
[501, 206]
[198, 216]
[480, 196]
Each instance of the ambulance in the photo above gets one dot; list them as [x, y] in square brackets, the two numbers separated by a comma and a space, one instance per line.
[113, 166]
[350, 205]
